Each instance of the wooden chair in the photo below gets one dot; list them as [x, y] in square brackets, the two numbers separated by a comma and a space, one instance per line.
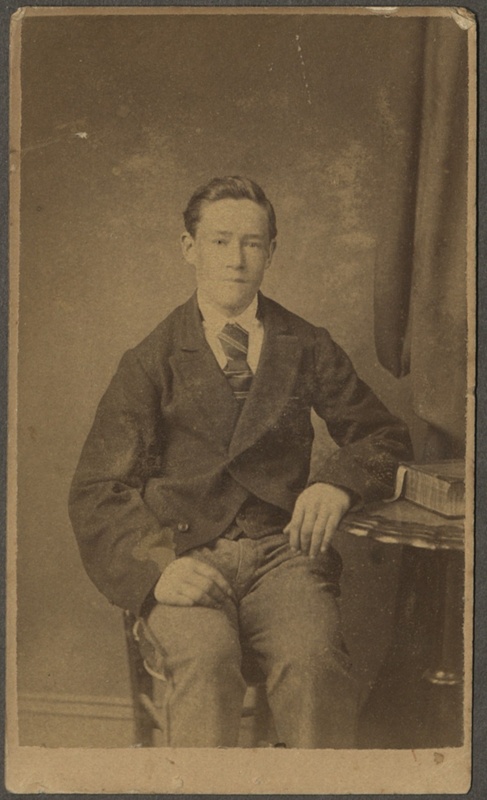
[147, 686]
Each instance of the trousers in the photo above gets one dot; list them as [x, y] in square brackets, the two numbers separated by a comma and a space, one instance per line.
[284, 615]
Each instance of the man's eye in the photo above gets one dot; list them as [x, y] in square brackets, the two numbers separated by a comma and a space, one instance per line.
[219, 241]
[253, 244]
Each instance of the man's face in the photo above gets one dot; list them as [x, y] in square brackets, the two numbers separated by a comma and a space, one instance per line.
[230, 252]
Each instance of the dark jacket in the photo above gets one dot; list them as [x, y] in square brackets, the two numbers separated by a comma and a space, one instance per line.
[170, 458]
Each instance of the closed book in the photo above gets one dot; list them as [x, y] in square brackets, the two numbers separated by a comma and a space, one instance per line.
[439, 487]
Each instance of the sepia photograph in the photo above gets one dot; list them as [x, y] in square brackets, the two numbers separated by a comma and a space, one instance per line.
[241, 400]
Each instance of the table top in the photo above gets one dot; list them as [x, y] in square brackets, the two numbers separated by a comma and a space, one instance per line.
[403, 522]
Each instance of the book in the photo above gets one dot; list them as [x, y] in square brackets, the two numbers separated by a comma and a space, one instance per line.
[439, 487]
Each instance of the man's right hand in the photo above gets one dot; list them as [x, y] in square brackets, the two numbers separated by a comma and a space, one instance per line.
[190, 582]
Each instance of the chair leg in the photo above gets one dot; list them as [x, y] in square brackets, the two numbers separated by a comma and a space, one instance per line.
[141, 686]
[256, 728]
[262, 717]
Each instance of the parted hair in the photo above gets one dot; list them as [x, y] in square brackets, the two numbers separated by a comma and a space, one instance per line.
[232, 187]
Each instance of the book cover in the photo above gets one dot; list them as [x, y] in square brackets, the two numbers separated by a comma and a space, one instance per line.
[439, 487]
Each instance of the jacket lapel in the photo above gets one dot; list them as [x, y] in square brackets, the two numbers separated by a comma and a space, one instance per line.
[207, 387]
[273, 382]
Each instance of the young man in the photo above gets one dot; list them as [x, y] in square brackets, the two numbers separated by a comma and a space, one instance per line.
[191, 501]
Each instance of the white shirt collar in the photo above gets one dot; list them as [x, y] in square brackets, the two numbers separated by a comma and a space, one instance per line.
[216, 321]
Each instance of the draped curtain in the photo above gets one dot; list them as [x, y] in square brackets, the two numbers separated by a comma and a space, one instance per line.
[420, 312]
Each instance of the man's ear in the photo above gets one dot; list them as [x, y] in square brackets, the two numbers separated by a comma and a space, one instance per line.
[272, 250]
[187, 247]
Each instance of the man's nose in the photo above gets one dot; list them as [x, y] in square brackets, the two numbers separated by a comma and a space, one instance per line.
[235, 255]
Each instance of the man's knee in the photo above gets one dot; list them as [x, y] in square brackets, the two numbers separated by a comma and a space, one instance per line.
[312, 661]
[213, 657]
[197, 640]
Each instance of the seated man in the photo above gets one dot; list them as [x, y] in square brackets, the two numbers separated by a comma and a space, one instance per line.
[192, 503]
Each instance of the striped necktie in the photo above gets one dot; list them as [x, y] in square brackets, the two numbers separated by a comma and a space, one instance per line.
[235, 342]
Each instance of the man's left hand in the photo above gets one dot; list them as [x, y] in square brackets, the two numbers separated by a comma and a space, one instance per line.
[316, 516]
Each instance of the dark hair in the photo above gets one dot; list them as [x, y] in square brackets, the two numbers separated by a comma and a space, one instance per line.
[233, 187]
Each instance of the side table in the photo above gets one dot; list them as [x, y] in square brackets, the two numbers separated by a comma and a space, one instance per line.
[417, 699]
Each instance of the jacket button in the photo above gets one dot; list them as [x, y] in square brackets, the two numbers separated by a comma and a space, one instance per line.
[183, 527]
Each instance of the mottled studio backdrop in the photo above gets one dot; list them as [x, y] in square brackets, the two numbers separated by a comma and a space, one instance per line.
[122, 117]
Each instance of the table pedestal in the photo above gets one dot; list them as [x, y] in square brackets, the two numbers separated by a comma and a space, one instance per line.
[417, 700]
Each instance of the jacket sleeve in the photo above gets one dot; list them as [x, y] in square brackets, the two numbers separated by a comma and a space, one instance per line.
[122, 544]
[371, 440]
